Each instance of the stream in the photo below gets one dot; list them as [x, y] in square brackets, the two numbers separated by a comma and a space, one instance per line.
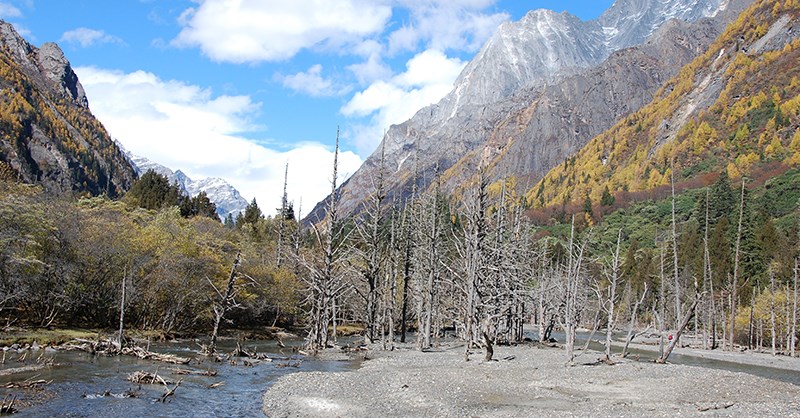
[85, 385]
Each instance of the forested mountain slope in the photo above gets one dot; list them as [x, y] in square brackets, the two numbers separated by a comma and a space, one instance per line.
[48, 135]
[734, 108]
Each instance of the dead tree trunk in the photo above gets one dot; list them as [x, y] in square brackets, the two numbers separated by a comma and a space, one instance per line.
[487, 339]
[794, 312]
[773, 326]
[225, 303]
[611, 300]
[630, 335]
[686, 318]
[735, 282]
[324, 284]
[122, 311]
[676, 275]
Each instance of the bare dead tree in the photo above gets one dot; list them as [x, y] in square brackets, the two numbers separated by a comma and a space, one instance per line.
[428, 253]
[473, 255]
[634, 313]
[407, 253]
[794, 311]
[575, 291]
[281, 218]
[607, 292]
[370, 250]
[735, 281]
[773, 327]
[323, 281]
[674, 236]
[223, 304]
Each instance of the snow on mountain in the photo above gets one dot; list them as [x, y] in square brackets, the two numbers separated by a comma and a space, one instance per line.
[512, 72]
[227, 199]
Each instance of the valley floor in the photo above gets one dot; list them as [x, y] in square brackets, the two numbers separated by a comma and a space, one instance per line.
[526, 381]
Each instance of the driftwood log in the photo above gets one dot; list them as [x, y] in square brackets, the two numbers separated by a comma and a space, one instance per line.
[27, 384]
[110, 348]
[179, 371]
[7, 406]
[149, 355]
[143, 377]
[170, 392]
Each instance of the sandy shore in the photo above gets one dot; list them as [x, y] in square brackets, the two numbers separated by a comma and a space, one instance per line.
[526, 381]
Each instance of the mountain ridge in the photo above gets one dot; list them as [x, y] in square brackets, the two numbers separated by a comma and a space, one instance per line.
[437, 137]
[733, 108]
[227, 199]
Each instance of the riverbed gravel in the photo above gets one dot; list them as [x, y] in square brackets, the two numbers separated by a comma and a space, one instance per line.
[526, 380]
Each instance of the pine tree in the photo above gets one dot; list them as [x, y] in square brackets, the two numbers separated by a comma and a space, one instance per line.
[607, 199]
[229, 222]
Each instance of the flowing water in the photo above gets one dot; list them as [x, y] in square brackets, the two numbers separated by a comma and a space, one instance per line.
[84, 385]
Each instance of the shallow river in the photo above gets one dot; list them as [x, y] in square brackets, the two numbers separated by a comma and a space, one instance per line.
[80, 381]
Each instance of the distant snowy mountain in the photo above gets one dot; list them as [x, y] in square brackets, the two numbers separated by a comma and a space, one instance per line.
[219, 191]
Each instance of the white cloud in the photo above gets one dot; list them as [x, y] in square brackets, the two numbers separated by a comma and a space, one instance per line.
[9, 11]
[373, 68]
[312, 82]
[428, 78]
[86, 37]
[239, 32]
[187, 127]
[446, 24]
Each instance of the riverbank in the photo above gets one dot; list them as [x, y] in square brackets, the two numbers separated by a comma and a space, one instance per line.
[526, 381]
[751, 358]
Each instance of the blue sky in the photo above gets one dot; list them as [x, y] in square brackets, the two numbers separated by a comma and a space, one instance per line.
[237, 88]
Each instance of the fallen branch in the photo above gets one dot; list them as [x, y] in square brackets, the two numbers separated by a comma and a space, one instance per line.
[130, 393]
[143, 377]
[289, 364]
[7, 406]
[29, 368]
[149, 355]
[715, 407]
[216, 385]
[169, 392]
[179, 371]
[27, 384]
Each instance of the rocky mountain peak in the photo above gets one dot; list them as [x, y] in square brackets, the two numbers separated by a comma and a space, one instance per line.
[56, 68]
[516, 70]
[227, 199]
[47, 66]
[56, 142]
[629, 22]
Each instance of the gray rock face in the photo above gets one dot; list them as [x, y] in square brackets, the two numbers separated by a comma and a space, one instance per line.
[58, 71]
[539, 90]
[227, 199]
[52, 138]
[47, 66]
